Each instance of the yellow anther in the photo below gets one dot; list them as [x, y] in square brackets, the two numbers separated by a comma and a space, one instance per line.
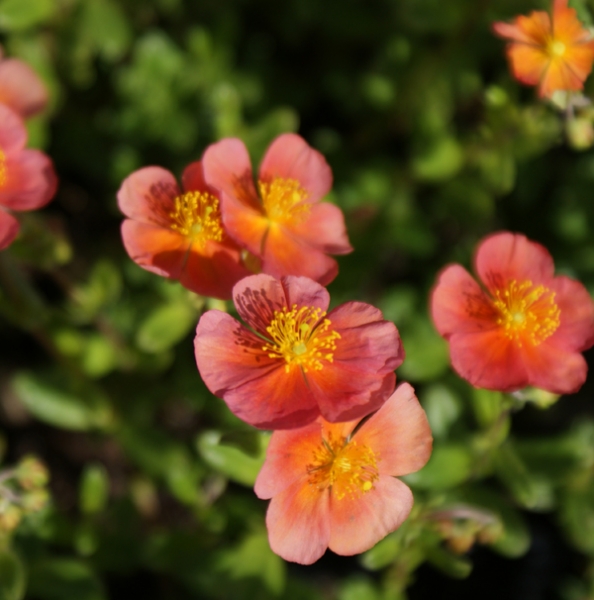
[197, 216]
[283, 200]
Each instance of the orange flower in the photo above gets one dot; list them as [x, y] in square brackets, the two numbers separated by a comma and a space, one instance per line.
[27, 177]
[179, 234]
[21, 88]
[524, 327]
[284, 223]
[332, 485]
[555, 53]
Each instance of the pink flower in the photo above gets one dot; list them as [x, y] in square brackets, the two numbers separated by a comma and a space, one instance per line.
[27, 177]
[179, 234]
[284, 223]
[293, 362]
[523, 326]
[21, 88]
[332, 485]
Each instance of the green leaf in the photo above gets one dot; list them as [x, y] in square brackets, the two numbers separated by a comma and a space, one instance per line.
[165, 326]
[442, 407]
[94, 489]
[358, 588]
[103, 24]
[12, 576]
[18, 15]
[449, 466]
[426, 352]
[455, 566]
[64, 579]
[440, 161]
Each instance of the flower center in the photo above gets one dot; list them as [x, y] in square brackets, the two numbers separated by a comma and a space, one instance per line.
[197, 216]
[527, 312]
[346, 467]
[283, 200]
[301, 337]
[557, 48]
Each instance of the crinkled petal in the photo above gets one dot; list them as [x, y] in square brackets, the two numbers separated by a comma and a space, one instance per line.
[533, 29]
[9, 228]
[245, 224]
[398, 433]
[21, 88]
[298, 523]
[291, 157]
[504, 257]
[30, 182]
[156, 249]
[148, 195]
[13, 135]
[358, 522]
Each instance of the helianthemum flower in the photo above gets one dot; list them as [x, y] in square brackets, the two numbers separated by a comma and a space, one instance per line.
[333, 486]
[522, 327]
[27, 177]
[283, 223]
[553, 52]
[293, 361]
[21, 88]
[179, 233]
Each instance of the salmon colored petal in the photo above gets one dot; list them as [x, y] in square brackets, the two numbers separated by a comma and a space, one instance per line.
[21, 88]
[503, 257]
[213, 271]
[529, 64]
[161, 251]
[555, 369]
[285, 254]
[227, 168]
[566, 25]
[459, 305]
[398, 433]
[576, 330]
[31, 181]
[536, 27]
[298, 523]
[580, 58]
[148, 195]
[559, 76]
[488, 360]
[324, 229]
[512, 32]
[290, 157]
[193, 178]
[13, 135]
[358, 523]
[9, 228]
[246, 225]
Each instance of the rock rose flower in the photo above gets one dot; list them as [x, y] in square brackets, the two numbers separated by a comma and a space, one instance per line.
[21, 88]
[521, 325]
[333, 486]
[292, 362]
[27, 177]
[283, 223]
[178, 233]
[553, 52]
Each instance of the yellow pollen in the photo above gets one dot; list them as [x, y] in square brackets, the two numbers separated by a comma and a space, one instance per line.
[3, 172]
[283, 200]
[346, 467]
[557, 48]
[197, 216]
[301, 336]
[527, 313]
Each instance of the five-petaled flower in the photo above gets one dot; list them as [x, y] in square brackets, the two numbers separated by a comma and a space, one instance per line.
[21, 88]
[524, 327]
[179, 234]
[333, 486]
[283, 223]
[27, 177]
[293, 361]
[555, 53]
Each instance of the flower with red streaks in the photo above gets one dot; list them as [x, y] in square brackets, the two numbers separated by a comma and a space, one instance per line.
[293, 362]
[333, 486]
[283, 223]
[27, 177]
[523, 326]
[553, 52]
[21, 88]
[178, 233]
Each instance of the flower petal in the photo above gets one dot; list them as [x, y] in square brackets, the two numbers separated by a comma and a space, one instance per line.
[21, 88]
[398, 433]
[154, 248]
[358, 523]
[528, 64]
[298, 523]
[291, 157]
[13, 135]
[9, 228]
[533, 29]
[148, 195]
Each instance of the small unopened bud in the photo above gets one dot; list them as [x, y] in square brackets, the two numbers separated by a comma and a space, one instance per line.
[461, 544]
[31, 473]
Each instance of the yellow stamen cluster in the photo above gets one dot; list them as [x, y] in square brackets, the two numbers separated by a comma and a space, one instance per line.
[283, 200]
[556, 48]
[197, 216]
[300, 336]
[3, 170]
[348, 468]
[527, 313]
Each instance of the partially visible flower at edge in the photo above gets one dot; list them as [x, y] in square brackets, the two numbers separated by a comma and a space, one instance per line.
[333, 486]
[179, 234]
[21, 88]
[283, 223]
[293, 362]
[27, 177]
[523, 327]
[553, 52]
